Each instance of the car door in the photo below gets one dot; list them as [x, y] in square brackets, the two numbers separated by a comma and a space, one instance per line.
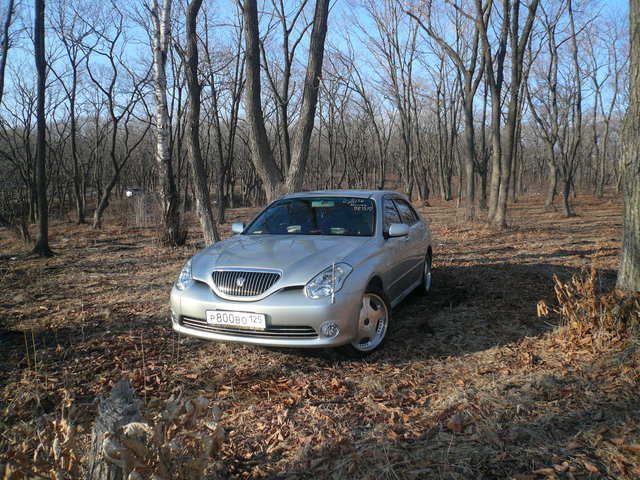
[414, 241]
[396, 253]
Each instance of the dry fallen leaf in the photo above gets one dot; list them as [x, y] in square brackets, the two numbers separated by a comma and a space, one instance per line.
[563, 467]
[635, 448]
[455, 424]
[590, 467]
[545, 471]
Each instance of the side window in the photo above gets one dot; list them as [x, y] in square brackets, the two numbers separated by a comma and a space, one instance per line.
[406, 212]
[390, 214]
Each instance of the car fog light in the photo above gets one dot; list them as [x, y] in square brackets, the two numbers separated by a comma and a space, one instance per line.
[329, 329]
[174, 317]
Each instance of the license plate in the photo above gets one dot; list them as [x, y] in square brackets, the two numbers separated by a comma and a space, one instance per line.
[252, 321]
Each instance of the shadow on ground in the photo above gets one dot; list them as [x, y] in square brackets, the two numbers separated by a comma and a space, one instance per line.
[470, 309]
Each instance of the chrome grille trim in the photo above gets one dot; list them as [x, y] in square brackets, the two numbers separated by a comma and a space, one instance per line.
[270, 332]
[256, 282]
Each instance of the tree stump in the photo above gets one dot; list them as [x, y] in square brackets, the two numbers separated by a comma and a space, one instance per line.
[119, 409]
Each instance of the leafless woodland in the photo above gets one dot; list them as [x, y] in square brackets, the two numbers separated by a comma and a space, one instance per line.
[211, 107]
[499, 118]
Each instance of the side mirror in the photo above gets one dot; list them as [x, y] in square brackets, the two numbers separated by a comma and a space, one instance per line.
[398, 230]
[237, 227]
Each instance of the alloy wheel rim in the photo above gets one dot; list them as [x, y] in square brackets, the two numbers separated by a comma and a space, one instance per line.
[372, 323]
[427, 275]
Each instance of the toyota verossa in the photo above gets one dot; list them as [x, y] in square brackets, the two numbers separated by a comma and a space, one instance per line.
[313, 269]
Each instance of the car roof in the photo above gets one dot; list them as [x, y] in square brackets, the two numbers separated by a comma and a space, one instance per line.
[341, 193]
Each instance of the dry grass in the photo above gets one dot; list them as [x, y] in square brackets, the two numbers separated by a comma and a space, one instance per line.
[471, 384]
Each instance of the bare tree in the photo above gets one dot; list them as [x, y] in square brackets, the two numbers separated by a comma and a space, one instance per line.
[571, 138]
[470, 72]
[273, 180]
[394, 46]
[503, 143]
[261, 152]
[178, 125]
[494, 71]
[200, 185]
[629, 272]
[606, 62]
[519, 41]
[310, 91]
[161, 24]
[371, 107]
[226, 83]
[542, 92]
[16, 148]
[120, 105]
[72, 32]
[6, 38]
[42, 241]
[280, 81]
[445, 113]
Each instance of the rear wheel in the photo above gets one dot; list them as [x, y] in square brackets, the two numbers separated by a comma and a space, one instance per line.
[373, 323]
[427, 277]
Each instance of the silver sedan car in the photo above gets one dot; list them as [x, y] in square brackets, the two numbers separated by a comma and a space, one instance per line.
[313, 269]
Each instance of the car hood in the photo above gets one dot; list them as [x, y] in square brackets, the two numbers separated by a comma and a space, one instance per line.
[299, 257]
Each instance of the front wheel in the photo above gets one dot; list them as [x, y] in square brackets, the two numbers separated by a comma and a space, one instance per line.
[373, 321]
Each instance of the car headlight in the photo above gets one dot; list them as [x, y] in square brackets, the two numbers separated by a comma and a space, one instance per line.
[185, 280]
[328, 281]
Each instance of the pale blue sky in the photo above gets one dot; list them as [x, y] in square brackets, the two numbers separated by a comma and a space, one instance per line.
[341, 18]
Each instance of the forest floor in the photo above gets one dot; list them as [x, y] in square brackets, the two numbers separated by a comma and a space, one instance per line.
[470, 384]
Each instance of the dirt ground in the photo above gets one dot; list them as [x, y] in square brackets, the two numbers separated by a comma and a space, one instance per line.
[470, 384]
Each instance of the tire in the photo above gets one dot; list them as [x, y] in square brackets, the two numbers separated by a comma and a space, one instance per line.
[426, 285]
[372, 332]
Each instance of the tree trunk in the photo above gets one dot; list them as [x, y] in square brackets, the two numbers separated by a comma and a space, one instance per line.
[201, 188]
[103, 201]
[518, 44]
[295, 175]
[172, 233]
[601, 176]
[552, 186]
[273, 181]
[496, 154]
[121, 408]
[5, 44]
[470, 153]
[73, 134]
[629, 272]
[261, 153]
[566, 192]
[499, 218]
[42, 243]
[483, 190]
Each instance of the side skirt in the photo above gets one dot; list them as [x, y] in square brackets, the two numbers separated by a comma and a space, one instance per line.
[404, 294]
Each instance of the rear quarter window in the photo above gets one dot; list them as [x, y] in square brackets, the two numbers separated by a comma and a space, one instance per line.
[407, 213]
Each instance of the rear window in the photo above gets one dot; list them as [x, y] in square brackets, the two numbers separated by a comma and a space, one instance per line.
[347, 216]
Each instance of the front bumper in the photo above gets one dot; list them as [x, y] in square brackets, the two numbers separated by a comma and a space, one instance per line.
[288, 313]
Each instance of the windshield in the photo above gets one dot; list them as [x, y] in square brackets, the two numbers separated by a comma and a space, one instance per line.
[347, 216]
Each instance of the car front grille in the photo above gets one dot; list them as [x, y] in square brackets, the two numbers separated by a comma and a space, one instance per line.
[241, 283]
[270, 332]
